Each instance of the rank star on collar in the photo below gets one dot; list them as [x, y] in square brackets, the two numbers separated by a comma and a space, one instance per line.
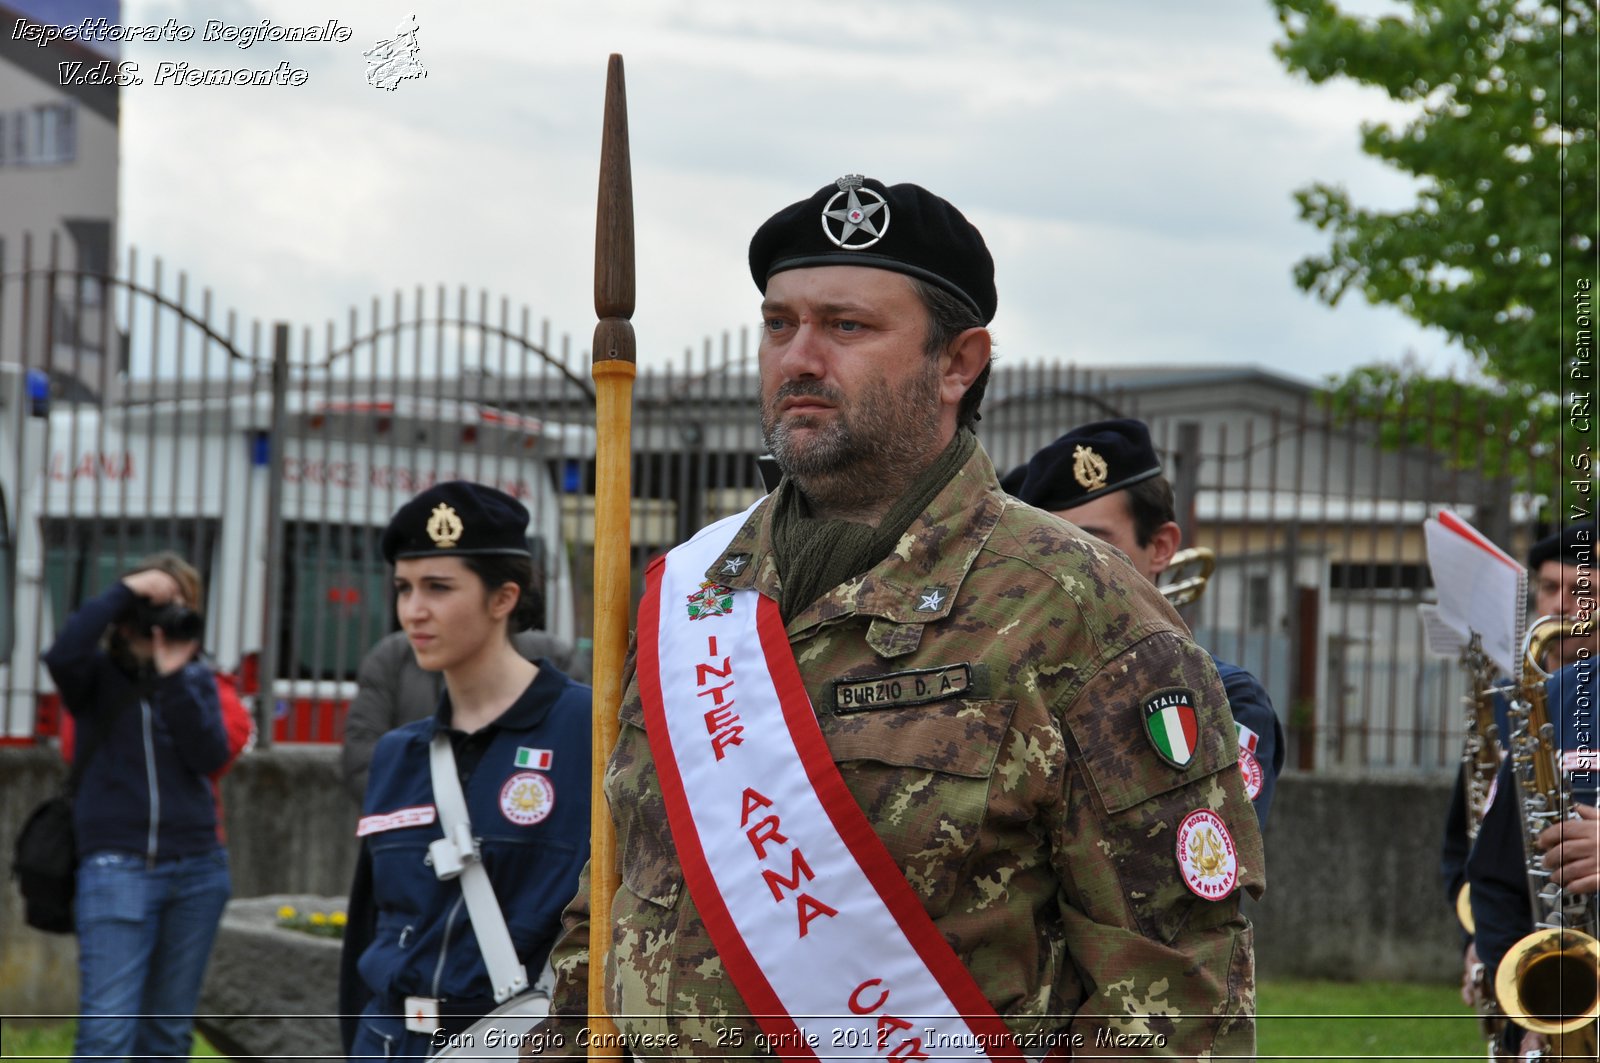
[735, 564]
[931, 601]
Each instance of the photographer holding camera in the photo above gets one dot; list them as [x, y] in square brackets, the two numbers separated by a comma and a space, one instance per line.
[152, 872]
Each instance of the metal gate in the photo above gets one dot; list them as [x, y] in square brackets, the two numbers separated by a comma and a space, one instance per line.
[135, 419]
[273, 455]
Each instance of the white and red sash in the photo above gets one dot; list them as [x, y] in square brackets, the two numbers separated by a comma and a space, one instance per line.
[813, 920]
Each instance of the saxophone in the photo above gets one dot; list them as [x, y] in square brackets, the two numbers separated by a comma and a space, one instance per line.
[1480, 757]
[1480, 763]
[1549, 982]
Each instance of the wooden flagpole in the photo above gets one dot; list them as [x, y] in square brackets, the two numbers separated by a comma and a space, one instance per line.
[613, 369]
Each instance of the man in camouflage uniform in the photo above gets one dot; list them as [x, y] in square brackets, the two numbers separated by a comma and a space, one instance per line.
[1029, 794]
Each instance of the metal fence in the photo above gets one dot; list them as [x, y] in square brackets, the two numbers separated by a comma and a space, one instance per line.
[273, 456]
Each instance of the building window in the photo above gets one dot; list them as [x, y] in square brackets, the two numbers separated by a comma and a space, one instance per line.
[1259, 614]
[8, 619]
[83, 556]
[66, 133]
[1379, 576]
[43, 135]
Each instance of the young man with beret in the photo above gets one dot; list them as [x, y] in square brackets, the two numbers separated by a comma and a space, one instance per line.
[1563, 570]
[1105, 478]
[1568, 847]
[891, 774]
[1560, 587]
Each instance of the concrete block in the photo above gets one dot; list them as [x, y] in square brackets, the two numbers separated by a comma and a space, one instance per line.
[271, 994]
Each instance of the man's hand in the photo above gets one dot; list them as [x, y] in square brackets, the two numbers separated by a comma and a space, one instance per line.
[1470, 968]
[1572, 851]
[171, 656]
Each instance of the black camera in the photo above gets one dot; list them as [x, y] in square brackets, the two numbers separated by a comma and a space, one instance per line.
[177, 622]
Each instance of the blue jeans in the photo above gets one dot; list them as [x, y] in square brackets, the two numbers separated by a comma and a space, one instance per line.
[144, 936]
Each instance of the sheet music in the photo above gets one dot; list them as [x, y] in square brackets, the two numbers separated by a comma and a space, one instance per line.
[1441, 639]
[1481, 588]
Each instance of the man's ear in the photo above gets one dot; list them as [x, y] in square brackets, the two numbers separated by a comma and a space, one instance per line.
[961, 363]
[1163, 544]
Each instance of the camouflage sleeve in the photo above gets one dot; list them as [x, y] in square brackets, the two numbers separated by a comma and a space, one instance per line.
[558, 1037]
[1164, 970]
[569, 999]
[570, 957]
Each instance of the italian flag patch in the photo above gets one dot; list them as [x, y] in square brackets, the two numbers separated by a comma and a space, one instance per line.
[534, 758]
[1170, 722]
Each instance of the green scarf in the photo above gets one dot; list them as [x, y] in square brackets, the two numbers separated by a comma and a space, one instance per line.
[814, 556]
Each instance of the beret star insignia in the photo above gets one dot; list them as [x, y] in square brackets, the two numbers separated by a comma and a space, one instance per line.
[843, 224]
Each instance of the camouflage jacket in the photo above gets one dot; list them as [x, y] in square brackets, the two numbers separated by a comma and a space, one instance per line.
[1030, 812]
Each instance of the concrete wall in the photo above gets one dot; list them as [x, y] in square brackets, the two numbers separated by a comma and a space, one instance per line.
[291, 829]
[1351, 865]
[1353, 886]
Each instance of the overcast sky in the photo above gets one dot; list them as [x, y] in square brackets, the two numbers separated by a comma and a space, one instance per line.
[1131, 165]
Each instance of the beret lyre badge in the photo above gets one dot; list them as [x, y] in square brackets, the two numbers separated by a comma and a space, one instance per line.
[855, 216]
[1089, 469]
[444, 527]
[434, 523]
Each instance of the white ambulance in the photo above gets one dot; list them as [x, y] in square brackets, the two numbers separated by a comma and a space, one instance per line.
[84, 493]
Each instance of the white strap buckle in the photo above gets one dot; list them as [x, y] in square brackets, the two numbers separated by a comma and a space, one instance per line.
[450, 856]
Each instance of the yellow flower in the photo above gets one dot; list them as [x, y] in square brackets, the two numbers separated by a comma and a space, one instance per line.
[286, 912]
[337, 919]
[318, 919]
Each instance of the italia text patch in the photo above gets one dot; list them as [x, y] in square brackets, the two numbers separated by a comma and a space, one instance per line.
[920, 686]
[1170, 724]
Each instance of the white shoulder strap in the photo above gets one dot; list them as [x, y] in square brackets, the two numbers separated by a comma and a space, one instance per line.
[456, 856]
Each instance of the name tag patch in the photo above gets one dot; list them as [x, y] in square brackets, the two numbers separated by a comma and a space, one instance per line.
[919, 686]
[420, 816]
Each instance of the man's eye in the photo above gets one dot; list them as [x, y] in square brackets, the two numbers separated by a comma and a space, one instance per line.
[773, 324]
[848, 326]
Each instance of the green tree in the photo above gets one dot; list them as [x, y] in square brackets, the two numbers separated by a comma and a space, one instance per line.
[1503, 233]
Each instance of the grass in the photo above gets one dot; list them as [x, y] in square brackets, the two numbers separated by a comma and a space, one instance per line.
[52, 1039]
[1365, 1021]
[1295, 1020]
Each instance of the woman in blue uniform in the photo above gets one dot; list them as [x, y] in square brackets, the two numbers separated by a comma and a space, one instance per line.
[412, 970]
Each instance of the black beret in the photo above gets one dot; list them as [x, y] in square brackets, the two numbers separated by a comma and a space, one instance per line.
[1573, 544]
[1084, 464]
[457, 518]
[857, 221]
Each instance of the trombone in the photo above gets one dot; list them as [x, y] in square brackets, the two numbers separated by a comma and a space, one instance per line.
[1181, 592]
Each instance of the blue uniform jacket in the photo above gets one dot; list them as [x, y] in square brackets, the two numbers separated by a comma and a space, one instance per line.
[1253, 709]
[1495, 869]
[145, 788]
[528, 800]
